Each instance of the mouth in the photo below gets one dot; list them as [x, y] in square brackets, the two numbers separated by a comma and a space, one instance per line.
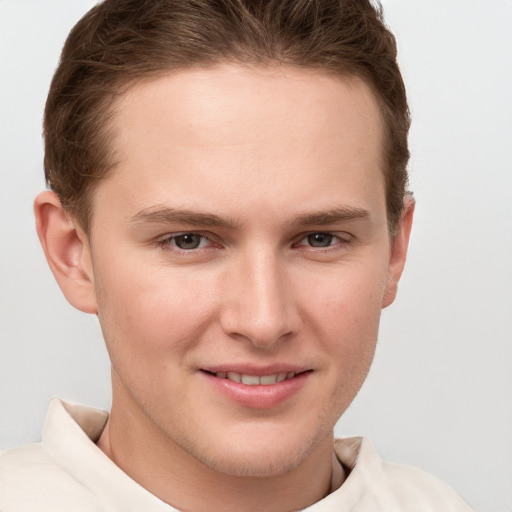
[255, 380]
[255, 389]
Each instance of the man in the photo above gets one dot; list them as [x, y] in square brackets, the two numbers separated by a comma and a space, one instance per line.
[228, 197]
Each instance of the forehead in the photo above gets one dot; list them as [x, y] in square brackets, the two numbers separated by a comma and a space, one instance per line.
[207, 105]
[258, 128]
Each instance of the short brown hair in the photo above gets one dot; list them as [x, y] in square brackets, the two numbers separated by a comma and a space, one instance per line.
[119, 42]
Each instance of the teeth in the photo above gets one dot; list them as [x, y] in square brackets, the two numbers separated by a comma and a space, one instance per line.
[250, 380]
[268, 379]
[234, 376]
[254, 380]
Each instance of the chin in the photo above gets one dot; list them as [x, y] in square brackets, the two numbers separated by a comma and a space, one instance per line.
[260, 455]
[261, 465]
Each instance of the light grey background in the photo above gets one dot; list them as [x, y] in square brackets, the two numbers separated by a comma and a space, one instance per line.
[440, 392]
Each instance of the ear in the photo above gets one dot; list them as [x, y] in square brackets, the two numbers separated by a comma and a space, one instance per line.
[398, 253]
[67, 251]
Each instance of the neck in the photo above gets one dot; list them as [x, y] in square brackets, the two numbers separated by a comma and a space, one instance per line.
[166, 470]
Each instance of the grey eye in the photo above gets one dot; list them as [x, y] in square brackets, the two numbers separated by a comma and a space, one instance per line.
[187, 241]
[320, 239]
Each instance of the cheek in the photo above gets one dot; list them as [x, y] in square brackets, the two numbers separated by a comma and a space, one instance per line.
[345, 313]
[147, 315]
[350, 298]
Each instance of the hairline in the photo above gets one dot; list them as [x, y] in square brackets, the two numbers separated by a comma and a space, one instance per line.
[123, 85]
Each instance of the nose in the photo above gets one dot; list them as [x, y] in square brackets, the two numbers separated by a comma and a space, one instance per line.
[259, 304]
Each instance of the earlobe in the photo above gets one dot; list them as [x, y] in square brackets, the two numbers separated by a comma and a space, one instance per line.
[67, 251]
[398, 253]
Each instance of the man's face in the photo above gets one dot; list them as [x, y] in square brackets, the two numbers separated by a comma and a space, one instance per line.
[243, 236]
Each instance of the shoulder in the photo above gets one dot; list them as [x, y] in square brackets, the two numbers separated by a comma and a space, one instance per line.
[387, 486]
[31, 480]
[412, 485]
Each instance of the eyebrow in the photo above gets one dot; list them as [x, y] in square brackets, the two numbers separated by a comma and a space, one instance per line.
[166, 215]
[324, 218]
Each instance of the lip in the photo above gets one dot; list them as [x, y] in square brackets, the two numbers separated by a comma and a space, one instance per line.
[255, 369]
[257, 396]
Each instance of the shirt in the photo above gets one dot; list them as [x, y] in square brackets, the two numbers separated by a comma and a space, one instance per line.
[68, 472]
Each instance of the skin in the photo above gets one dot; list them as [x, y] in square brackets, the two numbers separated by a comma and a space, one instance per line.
[268, 157]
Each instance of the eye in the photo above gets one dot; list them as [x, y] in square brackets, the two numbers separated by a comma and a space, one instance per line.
[320, 239]
[325, 240]
[185, 241]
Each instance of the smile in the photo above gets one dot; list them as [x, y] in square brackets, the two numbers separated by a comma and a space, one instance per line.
[257, 389]
[256, 380]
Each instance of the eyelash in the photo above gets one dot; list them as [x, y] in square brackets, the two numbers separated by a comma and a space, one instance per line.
[340, 241]
[169, 241]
